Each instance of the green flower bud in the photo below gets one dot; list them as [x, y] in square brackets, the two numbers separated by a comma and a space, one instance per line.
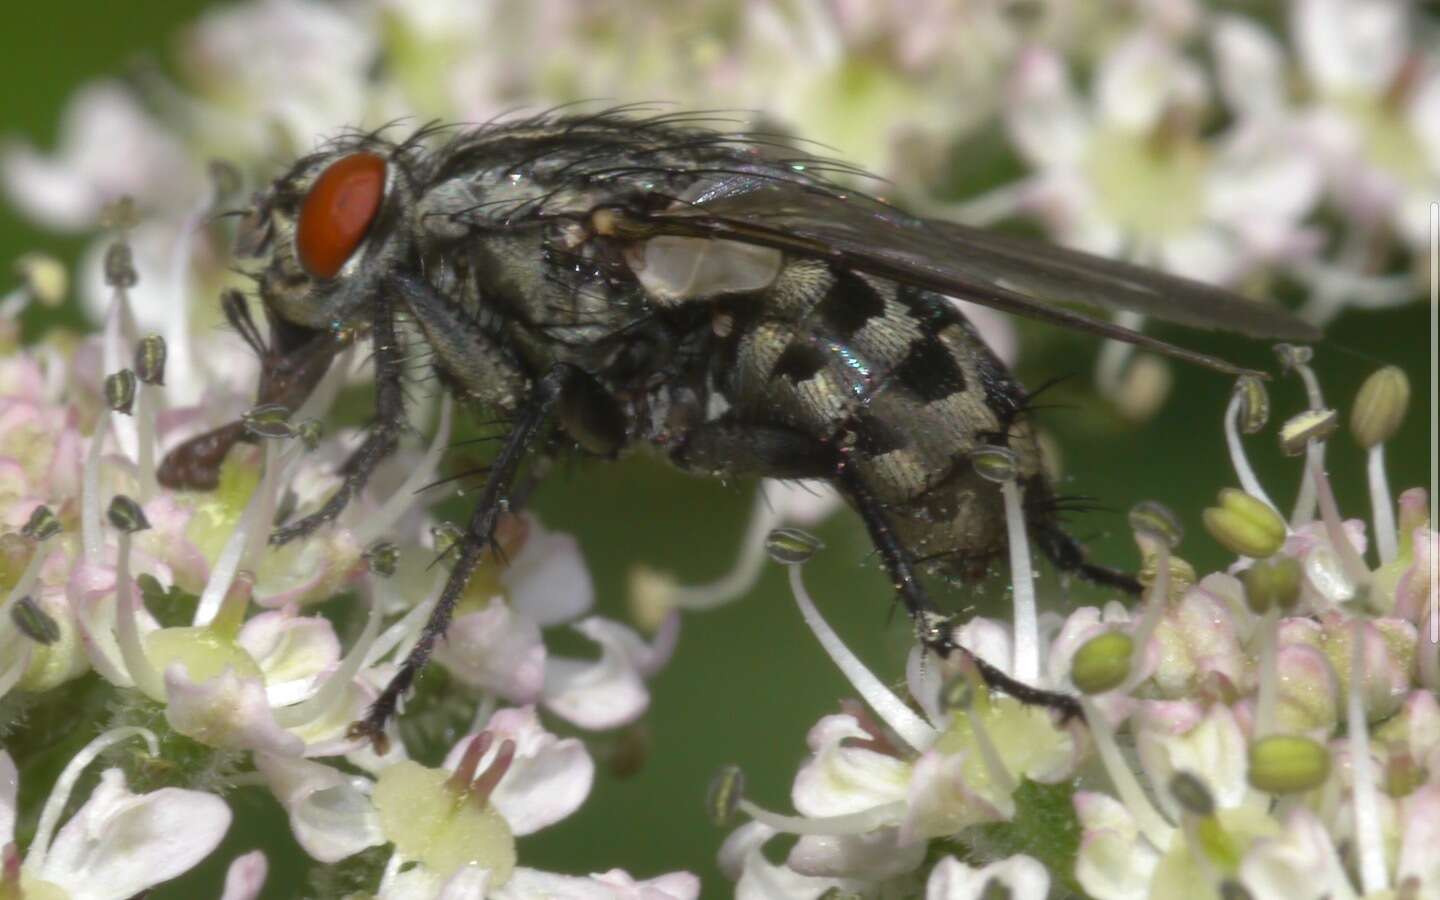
[125, 514]
[1149, 517]
[1272, 582]
[120, 391]
[791, 546]
[150, 359]
[1380, 407]
[45, 277]
[1310, 425]
[42, 524]
[1245, 525]
[1254, 404]
[1103, 662]
[722, 800]
[1286, 763]
[995, 464]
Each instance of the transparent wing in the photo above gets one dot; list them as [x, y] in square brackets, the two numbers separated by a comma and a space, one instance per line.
[1027, 278]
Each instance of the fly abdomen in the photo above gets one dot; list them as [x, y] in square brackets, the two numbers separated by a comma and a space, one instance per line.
[896, 382]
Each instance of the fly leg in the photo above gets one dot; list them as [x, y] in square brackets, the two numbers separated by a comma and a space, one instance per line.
[292, 361]
[528, 424]
[1069, 556]
[932, 626]
[383, 436]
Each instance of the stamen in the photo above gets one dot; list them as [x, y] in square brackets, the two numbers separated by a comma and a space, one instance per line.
[59, 797]
[1298, 358]
[1368, 836]
[1156, 600]
[998, 465]
[488, 780]
[127, 628]
[857, 823]
[91, 537]
[464, 773]
[231, 615]
[1153, 825]
[247, 541]
[1378, 412]
[118, 335]
[1241, 463]
[1381, 506]
[893, 711]
[1354, 566]
[403, 499]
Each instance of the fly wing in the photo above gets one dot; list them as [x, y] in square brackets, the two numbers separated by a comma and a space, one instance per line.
[1027, 278]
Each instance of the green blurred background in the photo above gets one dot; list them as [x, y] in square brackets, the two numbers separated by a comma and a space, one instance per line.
[748, 681]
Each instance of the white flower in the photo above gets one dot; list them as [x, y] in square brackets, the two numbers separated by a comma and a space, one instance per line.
[117, 844]
[1018, 877]
[1230, 204]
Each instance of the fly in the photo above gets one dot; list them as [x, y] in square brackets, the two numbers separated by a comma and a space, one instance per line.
[606, 282]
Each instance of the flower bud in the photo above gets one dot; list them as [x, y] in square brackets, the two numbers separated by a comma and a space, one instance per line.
[995, 464]
[1149, 517]
[1272, 582]
[125, 514]
[1245, 525]
[45, 277]
[120, 266]
[120, 391]
[791, 546]
[42, 524]
[1192, 794]
[723, 797]
[150, 359]
[1254, 404]
[382, 557]
[1287, 763]
[1103, 662]
[34, 622]
[1380, 407]
[1311, 425]
[268, 420]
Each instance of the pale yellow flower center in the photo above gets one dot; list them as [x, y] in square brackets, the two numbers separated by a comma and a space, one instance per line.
[428, 821]
[1148, 184]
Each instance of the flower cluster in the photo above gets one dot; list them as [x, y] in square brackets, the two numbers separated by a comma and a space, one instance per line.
[1284, 717]
[1241, 732]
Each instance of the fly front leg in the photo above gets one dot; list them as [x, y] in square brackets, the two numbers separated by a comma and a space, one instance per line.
[933, 627]
[384, 435]
[528, 425]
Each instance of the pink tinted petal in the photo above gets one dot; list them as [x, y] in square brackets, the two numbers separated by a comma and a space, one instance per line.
[612, 885]
[1421, 831]
[1114, 862]
[801, 502]
[330, 812]
[1043, 114]
[1170, 738]
[549, 778]
[1020, 877]
[497, 650]
[606, 693]
[1350, 46]
[1141, 78]
[1251, 66]
[293, 652]
[1303, 854]
[119, 843]
[742, 859]
[226, 711]
[548, 581]
[987, 639]
[840, 779]
[940, 801]
[245, 877]
[874, 855]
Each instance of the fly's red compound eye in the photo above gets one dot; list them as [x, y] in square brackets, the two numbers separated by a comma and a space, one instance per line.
[337, 212]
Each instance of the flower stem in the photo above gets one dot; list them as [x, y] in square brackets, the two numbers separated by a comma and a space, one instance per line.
[906, 724]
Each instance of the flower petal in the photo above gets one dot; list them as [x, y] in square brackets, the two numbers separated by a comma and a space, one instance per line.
[840, 779]
[119, 843]
[1018, 877]
[246, 876]
[330, 812]
[498, 650]
[548, 581]
[226, 711]
[9, 790]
